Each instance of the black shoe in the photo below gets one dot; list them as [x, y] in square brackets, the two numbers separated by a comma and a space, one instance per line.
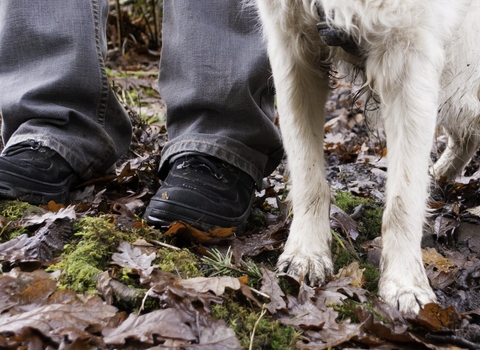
[36, 174]
[204, 192]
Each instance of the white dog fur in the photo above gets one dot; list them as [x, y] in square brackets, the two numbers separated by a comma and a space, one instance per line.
[422, 65]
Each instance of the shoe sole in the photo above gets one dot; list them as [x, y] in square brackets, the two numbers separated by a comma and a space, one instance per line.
[162, 218]
[42, 194]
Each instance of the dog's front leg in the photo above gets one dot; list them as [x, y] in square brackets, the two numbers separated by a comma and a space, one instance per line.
[301, 103]
[295, 54]
[407, 76]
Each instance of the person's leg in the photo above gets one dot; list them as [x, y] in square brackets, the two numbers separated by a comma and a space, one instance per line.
[54, 95]
[215, 79]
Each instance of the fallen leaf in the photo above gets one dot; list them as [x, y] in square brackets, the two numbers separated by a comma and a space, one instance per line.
[271, 287]
[355, 272]
[307, 315]
[92, 315]
[434, 317]
[394, 331]
[196, 235]
[133, 258]
[52, 206]
[149, 328]
[63, 213]
[339, 220]
[216, 285]
[431, 256]
[330, 337]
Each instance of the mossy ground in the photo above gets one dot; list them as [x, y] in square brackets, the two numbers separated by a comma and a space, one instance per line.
[370, 222]
[96, 239]
[88, 254]
[180, 262]
[11, 211]
[370, 226]
[269, 334]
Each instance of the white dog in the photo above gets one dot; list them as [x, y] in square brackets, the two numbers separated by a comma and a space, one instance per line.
[421, 61]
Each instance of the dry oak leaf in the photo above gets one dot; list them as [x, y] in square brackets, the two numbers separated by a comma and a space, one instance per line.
[93, 314]
[435, 318]
[133, 258]
[307, 315]
[196, 235]
[151, 327]
[355, 272]
[216, 285]
[271, 287]
[431, 256]
[329, 337]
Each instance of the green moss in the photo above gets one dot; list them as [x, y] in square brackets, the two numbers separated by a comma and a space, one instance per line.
[10, 234]
[182, 262]
[370, 223]
[14, 210]
[341, 256]
[347, 311]
[347, 201]
[372, 276]
[269, 334]
[88, 254]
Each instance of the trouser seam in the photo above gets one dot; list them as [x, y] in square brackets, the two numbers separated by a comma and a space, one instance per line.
[103, 101]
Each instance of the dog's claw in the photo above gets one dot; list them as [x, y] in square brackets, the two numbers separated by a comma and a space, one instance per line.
[409, 300]
[313, 269]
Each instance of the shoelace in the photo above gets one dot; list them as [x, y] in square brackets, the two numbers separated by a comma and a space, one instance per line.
[201, 161]
[22, 146]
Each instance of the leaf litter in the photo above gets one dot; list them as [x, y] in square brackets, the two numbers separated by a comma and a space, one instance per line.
[187, 289]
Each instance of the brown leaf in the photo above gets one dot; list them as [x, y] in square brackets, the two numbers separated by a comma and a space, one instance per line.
[307, 315]
[434, 317]
[17, 289]
[133, 258]
[342, 222]
[334, 290]
[431, 256]
[216, 285]
[440, 279]
[329, 337]
[149, 328]
[271, 287]
[394, 331]
[247, 292]
[92, 314]
[196, 235]
[48, 239]
[64, 213]
[354, 272]
[253, 244]
[169, 290]
[216, 336]
[444, 225]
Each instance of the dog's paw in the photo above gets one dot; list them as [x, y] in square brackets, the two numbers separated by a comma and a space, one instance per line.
[312, 268]
[408, 299]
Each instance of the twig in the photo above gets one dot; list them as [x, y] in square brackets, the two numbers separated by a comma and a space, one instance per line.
[5, 227]
[165, 245]
[264, 311]
[258, 292]
[144, 300]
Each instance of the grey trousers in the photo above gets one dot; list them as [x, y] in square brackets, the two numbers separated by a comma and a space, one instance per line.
[53, 84]
[216, 81]
[214, 78]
